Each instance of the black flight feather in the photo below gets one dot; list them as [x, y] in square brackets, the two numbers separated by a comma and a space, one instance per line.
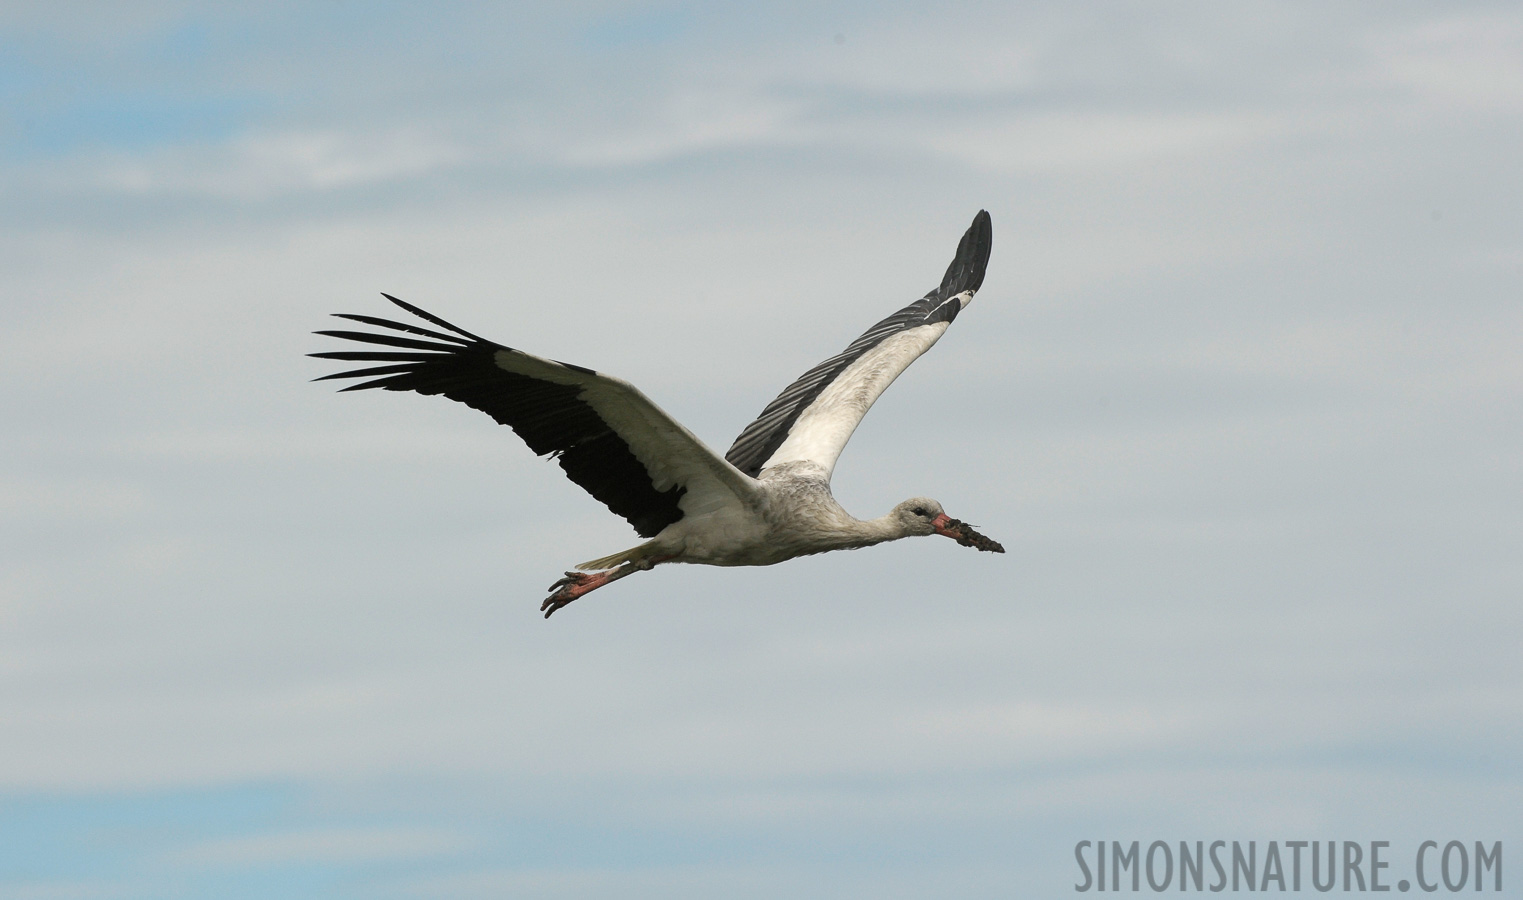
[552, 418]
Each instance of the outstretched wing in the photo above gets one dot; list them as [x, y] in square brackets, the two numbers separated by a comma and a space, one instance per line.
[813, 419]
[610, 438]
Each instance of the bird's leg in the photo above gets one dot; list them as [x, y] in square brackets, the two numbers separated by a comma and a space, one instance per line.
[575, 584]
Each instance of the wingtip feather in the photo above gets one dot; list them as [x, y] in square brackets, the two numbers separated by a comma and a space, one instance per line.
[430, 317]
[966, 273]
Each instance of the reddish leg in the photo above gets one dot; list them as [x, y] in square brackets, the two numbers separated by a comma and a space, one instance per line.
[575, 584]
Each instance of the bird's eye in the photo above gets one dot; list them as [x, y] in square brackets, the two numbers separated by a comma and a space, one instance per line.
[920, 511]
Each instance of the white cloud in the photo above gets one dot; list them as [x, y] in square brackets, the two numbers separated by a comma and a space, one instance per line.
[1049, 728]
[1461, 61]
[38, 501]
[328, 845]
[686, 124]
[1047, 142]
[63, 890]
[259, 166]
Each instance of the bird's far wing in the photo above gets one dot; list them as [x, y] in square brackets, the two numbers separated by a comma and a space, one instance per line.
[610, 438]
[813, 419]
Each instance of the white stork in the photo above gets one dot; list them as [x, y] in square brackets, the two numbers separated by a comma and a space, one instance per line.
[768, 499]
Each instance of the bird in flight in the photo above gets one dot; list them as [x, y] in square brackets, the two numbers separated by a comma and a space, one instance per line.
[765, 501]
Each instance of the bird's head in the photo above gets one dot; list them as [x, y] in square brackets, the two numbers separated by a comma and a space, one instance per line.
[922, 515]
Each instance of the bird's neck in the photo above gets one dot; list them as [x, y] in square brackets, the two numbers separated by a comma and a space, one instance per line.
[884, 528]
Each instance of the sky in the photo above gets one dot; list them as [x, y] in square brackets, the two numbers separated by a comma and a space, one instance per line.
[1241, 396]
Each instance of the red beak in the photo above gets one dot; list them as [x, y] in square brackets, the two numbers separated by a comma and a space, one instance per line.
[963, 533]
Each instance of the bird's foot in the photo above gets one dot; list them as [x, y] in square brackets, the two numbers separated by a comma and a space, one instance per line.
[574, 585]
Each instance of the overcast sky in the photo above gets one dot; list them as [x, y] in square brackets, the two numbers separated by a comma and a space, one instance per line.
[1242, 396]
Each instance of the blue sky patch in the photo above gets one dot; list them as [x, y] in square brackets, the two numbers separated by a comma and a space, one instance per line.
[121, 122]
[642, 29]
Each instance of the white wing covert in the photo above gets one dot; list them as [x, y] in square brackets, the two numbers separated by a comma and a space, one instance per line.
[815, 416]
